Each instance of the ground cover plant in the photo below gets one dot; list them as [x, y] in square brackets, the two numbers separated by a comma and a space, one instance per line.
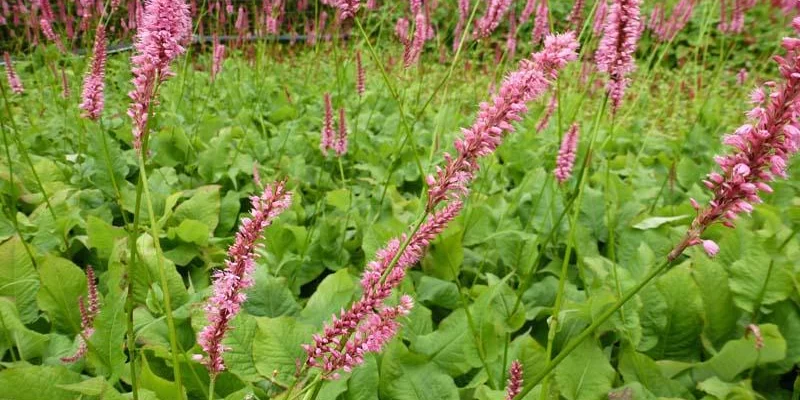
[348, 199]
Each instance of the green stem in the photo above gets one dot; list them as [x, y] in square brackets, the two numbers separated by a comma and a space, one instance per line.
[154, 229]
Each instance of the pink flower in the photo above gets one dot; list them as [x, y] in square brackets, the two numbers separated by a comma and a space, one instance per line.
[600, 17]
[666, 30]
[327, 137]
[230, 283]
[760, 152]
[529, 82]
[347, 8]
[710, 247]
[548, 112]
[65, 93]
[88, 314]
[416, 6]
[340, 145]
[491, 19]
[93, 83]
[463, 13]
[527, 11]
[621, 33]
[401, 31]
[218, 57]
[741, 77]
[360, 75]
[514, 380]
[161, 35]
[341, 344]
[576, 15]
[414, 49]
[47, 29]
[567, 154]
[541, 24]
[13, 79]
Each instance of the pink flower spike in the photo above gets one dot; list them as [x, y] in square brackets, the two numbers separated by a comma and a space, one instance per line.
[360, 75]
[13, 79]
[567, 154]
[514, 380]
[414, 48]
[491, 19]
[218, 57]
[164, 29]
[340, 145]
[94, 84]
[88, 314]
[541, 23]
[621, 33]
[229, 284]
[328, 135]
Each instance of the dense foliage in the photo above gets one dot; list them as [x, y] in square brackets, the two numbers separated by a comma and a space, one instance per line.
[554, 253]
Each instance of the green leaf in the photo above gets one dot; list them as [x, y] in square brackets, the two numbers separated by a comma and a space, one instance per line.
[749, 274]
[405, 376]
[586, 374]
[102, 236]
[97, 386]
[109, 338]
[163, 388]
[672, 317]
[339, 198]
[191, 231]
[37, 382]
[277, 347]
[146, 274]
[655, 222]
[740, 355]
[451, 346]
[239, 359]
[333, 294]
[364, 381]
[445, 256]
[637, 367]
[62, 284]
[203, 206]
[18, 279]
[270, 296]
[437, 292]
[719, 312]
[13, 333]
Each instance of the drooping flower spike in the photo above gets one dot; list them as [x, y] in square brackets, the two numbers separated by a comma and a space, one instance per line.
[230, 283]
[760, 152]
[89, 308]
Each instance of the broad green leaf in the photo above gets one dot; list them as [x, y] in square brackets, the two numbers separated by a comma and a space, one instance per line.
[109, 338]
[719, 312]
[740, 355]
[637, 367]
[445, 256]
[191, 231]
[18, 278]
[406, 376]
[102, 236]
[437, 292]
[62, 284]
[333, 294]
[97, 386]
[37, 382]
[277, 347]
[451, 346]
[672, 317]
[163, 388]
[363, 382]
[270, 296]
[240, 359]
[724, 390]
[339, 198]
[585, 374]
[146, 274]
[13, 333]
[749, 275]
[655, 222]
[203, 206]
